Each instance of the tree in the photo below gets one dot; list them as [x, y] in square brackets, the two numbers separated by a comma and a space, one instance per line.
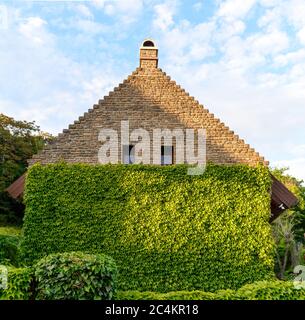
[19, 140]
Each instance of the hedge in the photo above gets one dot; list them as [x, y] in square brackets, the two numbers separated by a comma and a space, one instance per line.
[263, 290]
[75, 276]
[166, 230]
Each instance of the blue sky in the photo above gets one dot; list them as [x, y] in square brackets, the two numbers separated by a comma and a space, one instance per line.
[243, 59]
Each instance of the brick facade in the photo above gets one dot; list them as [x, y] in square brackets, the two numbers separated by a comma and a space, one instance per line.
[149, 99]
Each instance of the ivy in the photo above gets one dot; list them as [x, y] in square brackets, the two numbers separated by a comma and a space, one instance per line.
[165, 230]
[19, 285]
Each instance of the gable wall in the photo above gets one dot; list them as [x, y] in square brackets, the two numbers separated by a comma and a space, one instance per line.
[148, 99]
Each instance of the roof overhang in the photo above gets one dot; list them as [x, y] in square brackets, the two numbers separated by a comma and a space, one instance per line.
[281, 198]
[16, 189]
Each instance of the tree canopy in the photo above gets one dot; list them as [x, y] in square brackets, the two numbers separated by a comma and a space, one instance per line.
[19, 140]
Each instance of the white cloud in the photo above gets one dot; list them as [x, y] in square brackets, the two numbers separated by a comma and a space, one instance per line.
[110, 9]
[270, 3]
[164, 15]
[269, 43]
[271, 18]
[295, 12]
[301, 36]
[34, 30]
[288, 11]
[83, 10]
[185, 43]
[228, 29]
[235, 9]
[126, 11]
[293, 57]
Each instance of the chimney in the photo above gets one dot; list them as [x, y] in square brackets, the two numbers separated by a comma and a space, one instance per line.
[148, 54]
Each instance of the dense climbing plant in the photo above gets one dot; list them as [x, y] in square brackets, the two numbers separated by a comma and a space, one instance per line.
[165, 230]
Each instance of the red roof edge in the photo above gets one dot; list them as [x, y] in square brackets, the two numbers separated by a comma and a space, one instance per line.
[16, 189]
[281, 198]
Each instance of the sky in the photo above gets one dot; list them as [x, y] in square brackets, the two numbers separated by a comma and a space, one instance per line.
[244, 60]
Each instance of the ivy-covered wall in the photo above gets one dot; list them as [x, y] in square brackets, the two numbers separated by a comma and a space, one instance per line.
[166, 230]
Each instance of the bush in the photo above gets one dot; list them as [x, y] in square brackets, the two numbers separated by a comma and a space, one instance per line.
[277, 290]
[263, 290]
[9, 249]
[75, 276]
[19, 286]
[166, 230]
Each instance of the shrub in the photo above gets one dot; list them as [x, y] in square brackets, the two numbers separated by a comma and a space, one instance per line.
[263, 290]
[277, 290]
[166, 230]
[9, 249]
[75, 276]
[19, 286]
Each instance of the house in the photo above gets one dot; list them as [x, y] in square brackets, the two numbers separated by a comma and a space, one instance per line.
[149, 99]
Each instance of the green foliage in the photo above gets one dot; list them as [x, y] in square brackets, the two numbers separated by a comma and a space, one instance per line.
[9, 245]
[288, 250]
[289, 228]
[166, 230]
[19, 285]
[19, 140]
[276, 290]
[297, 187]
[10, 231]
[179, 295]
[9, 249]
[75, 276]
[263, 290]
